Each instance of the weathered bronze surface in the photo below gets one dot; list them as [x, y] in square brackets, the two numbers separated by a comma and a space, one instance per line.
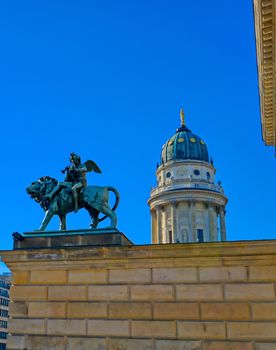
[61, 198]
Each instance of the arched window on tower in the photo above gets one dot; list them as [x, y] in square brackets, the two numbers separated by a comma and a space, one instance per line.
[200, 237]
[184, 236]
[170, 237]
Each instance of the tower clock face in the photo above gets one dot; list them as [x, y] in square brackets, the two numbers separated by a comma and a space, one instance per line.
[168, 174]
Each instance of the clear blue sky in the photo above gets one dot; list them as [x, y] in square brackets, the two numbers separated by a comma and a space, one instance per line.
[106, 79]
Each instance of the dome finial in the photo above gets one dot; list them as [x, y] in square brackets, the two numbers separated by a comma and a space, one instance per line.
[182, 117]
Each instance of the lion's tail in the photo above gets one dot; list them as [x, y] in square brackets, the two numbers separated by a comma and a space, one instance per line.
[117, 200]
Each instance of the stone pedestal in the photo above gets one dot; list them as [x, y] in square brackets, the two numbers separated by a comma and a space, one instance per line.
[74, 238]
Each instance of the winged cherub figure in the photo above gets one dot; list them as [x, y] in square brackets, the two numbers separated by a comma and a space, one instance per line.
[75, 177]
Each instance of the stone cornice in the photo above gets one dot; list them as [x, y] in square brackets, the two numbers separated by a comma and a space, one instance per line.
[181, 163]
[184, 194]
[264, 11]
[228, 253]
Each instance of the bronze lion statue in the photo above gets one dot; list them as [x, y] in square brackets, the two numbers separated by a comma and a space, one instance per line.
[95, 199]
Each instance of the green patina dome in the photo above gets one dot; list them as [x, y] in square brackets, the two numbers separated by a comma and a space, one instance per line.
[184, 145]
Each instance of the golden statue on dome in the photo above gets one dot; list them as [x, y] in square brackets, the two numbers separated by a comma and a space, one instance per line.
[182, 117]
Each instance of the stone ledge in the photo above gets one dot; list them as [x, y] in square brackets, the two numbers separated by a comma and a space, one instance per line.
[244, 253]
[220, 251]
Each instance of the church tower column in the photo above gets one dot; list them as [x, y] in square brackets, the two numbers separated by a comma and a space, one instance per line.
[165, 235]
[153, 226]
[192, 224]
[157, 215]
[159, 224]
[222, 224]
[173, 222]
[212, 229]
[208, 236]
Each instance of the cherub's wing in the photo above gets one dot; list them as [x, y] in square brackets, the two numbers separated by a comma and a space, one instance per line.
[92, 166]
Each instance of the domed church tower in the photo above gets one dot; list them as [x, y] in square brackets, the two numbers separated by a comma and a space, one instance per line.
[187, 205]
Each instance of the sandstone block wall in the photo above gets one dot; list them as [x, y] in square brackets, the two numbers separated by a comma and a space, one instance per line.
[211, 296]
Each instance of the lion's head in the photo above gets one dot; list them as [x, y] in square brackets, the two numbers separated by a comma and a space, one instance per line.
[39, 188]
